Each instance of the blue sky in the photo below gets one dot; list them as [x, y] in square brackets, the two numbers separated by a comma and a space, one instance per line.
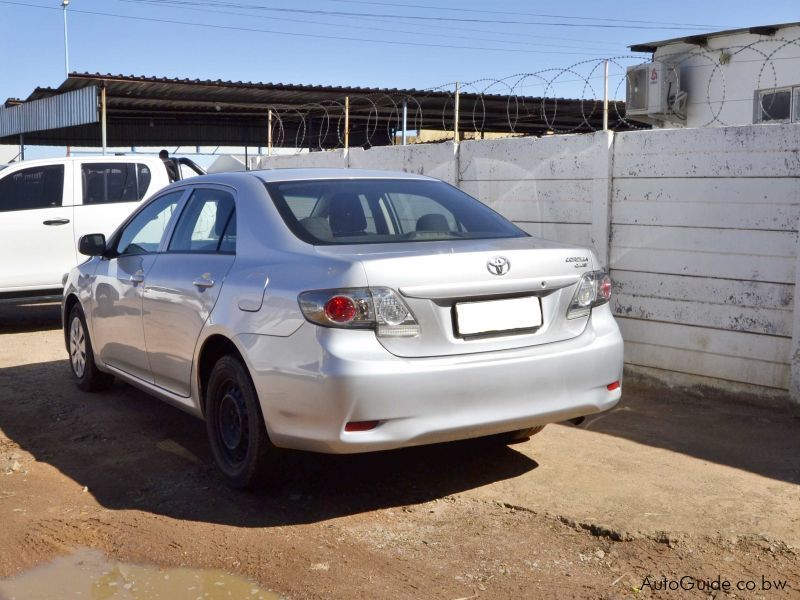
[31, 39]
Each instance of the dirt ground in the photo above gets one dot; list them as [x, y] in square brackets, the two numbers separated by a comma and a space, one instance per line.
[666, 486]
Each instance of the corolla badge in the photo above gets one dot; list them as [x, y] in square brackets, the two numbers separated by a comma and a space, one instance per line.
[498, 265]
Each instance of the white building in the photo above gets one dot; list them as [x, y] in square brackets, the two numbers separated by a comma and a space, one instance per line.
[735, 77]
[8, 153]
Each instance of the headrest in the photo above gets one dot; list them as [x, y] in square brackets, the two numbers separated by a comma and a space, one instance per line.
[432, 222]
[346, 215]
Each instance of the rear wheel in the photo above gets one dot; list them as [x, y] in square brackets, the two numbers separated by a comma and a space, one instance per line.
[81, 357]
[520, 435]
[235, 426]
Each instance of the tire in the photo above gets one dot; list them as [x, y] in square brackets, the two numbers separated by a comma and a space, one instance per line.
[81, 355]
[518, 436]
[236, 430]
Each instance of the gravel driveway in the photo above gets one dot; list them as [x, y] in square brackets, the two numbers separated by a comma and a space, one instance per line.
[663, 487]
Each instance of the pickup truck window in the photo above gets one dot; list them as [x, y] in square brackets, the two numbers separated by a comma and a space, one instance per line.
[114, 182]
[35, 187]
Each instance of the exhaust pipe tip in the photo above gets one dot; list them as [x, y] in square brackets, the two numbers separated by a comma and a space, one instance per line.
[577, 421]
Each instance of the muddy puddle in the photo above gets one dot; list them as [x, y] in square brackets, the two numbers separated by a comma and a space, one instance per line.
[88, 574]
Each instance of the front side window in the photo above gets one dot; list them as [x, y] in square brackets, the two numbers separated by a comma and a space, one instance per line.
[32, 188]
[143, 233]
[203, 223]
[371, 211]
[114, 182]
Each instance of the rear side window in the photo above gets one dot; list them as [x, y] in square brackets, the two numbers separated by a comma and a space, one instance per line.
[114, 182]
[204, 224]
[36, 187]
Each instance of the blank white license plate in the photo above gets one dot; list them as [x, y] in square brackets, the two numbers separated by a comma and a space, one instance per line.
[498, 315]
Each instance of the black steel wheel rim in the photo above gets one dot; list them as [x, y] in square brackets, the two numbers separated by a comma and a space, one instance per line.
[232, 424]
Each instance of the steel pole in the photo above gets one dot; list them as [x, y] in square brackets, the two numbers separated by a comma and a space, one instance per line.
[346, 123]
[455, 120]
[269, 133]
[605, 95]
[405, 122]
[66, 43]
[103, 130]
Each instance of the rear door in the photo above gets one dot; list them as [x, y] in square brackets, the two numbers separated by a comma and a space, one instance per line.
[36, 228]
[184, 284]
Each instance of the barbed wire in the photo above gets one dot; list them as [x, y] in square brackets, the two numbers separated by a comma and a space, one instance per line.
[569, 100]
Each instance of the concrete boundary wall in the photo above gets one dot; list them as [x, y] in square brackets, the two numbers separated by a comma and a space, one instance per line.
[699, 228]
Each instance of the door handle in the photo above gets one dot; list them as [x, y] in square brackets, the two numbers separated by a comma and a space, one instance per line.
[55, 222]
[203, 283]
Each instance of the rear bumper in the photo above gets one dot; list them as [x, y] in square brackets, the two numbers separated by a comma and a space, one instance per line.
[313, 382]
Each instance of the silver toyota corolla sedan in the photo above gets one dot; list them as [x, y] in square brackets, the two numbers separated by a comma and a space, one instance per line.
[341, 311]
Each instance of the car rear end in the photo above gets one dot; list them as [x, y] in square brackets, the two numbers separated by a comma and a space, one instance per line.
[454, 332]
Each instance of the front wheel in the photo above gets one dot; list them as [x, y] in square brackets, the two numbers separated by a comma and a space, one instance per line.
[81, 357]
[235, 426]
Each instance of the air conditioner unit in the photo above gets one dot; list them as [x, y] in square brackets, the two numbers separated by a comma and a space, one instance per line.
[654, 93]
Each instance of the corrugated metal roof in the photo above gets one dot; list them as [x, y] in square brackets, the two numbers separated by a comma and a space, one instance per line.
[146, 110]
[700, 39]
[77, 107]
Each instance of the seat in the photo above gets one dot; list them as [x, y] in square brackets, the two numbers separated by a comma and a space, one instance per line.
[432, 222]
[95, 190]
[317, 227]
[346, 215]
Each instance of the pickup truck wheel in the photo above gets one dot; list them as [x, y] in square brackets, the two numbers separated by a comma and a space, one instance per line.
[81, 357]
[236, 430]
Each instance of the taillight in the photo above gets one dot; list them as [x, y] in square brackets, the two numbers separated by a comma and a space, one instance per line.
[340, 309]
[594, 289]
[604, 288]
[378, 308]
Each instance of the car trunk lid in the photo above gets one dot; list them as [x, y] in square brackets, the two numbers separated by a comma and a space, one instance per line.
[476, 295]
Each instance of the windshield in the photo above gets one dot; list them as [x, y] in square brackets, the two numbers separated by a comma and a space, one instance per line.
[373, 211]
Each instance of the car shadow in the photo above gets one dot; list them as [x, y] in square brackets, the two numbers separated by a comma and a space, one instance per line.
[134, 452]
[21, 316]
[720, 429]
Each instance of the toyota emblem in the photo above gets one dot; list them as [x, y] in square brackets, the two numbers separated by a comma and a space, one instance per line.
[498, 265]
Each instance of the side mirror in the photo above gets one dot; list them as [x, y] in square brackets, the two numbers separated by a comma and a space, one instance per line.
[93, 244]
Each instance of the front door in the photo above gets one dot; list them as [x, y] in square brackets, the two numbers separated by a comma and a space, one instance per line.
[118, 288]
[184, 284]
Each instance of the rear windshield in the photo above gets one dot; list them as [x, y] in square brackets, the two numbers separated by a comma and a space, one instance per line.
[375, 211]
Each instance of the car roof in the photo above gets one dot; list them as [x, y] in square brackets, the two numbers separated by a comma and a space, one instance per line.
[35, 162]
[268, 175]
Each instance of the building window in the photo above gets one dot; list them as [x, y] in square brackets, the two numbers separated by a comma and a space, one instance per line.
[779, 105]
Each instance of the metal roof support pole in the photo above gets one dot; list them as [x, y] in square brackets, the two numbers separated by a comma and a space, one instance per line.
[269, 133]
[103, 131]
[64, 4]
[405, 121]
[22, 146]
[346, 123]
[455, 119]
[605, 95]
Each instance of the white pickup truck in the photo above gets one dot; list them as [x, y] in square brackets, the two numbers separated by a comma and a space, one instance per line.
[47, 205]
